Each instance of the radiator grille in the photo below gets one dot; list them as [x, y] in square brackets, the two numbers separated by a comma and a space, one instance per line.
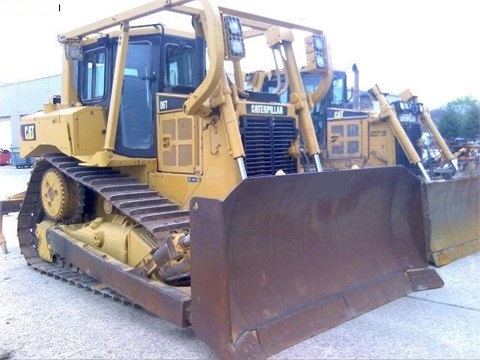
[414, 133]
[266, 142]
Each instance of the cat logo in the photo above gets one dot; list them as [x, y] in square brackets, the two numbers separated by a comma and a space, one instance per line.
[338, 114]
[28, 132]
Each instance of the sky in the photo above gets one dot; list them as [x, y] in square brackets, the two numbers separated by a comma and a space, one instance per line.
[430, 47]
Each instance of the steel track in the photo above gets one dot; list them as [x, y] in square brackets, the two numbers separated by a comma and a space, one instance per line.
[127, 195]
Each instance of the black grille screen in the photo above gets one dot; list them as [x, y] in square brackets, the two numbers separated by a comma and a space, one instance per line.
[414, 133]
[266, 142]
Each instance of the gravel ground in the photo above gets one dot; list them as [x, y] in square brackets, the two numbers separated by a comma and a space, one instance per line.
[44, 318]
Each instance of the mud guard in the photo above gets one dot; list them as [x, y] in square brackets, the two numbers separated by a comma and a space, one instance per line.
[453, 210]
[284, 258]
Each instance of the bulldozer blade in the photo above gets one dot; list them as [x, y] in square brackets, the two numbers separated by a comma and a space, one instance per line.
[286, 257]
[453, 210]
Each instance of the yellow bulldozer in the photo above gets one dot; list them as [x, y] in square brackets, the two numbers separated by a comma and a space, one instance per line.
[164, 180]
[452, 197]
[354, 134]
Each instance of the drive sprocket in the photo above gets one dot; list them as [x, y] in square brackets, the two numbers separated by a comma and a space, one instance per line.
[61, 197]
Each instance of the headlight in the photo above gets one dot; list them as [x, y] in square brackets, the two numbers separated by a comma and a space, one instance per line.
[318, 42]
[233, 35]
[234, 26]
[319, 60]
[73, 50]
[316, 50]
[236, 46]
[417, 108]
[402, 107]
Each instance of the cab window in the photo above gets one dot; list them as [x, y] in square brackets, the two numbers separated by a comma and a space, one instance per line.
[179, 65]
[93, 75]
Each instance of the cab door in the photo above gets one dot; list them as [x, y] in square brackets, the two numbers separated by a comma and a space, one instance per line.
[136, 134]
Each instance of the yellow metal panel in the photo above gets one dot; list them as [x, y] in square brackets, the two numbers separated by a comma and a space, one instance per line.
[169, 155]
[178, 188]
[382, 145]
[185, 157]
[185, 128]
[222, 175]
[89, 130]
[344, 139]
[48, 131]
[176, 150]
[73, 131]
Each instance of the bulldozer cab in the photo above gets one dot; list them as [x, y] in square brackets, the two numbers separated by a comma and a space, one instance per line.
[155, 63]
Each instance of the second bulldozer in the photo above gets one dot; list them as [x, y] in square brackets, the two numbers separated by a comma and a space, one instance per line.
[352, 134]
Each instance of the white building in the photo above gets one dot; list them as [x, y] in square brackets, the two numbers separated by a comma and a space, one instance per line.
[19, 99]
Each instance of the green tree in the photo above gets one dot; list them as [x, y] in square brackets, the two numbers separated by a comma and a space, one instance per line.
[459, 119]
[471, 124]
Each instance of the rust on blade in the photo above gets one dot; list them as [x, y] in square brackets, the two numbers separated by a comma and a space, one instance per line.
[453, 209]
[284, 258]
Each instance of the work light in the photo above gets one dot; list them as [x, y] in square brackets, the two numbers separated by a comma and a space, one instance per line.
[235, 47]
[73, 50]
[316, 49]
